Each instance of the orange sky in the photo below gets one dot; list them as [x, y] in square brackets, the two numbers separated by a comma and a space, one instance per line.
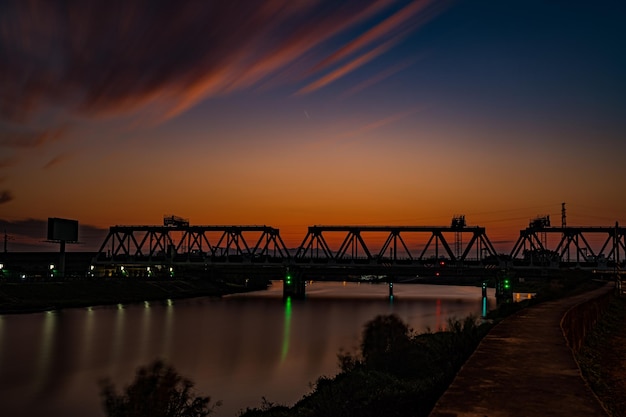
[404, 113]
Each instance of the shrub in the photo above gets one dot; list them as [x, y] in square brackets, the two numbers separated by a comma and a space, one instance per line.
[157, 391]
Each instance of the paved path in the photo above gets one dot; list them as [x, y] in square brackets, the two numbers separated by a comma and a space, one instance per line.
[523, 367]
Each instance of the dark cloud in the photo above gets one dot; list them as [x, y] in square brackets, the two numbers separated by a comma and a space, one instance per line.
[7, 162]
[109, 57]
[30, 139]
[5, 196]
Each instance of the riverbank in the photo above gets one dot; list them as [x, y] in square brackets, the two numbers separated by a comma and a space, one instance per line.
[601, 358]
[413, 373]
[531, 346]
[29, 297]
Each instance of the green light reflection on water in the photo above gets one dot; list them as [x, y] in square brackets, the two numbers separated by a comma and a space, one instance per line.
[286, 330]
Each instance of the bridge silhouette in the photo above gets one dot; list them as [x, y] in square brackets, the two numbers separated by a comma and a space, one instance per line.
[176, 243]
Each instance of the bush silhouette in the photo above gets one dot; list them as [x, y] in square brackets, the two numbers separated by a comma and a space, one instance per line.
[157, 391]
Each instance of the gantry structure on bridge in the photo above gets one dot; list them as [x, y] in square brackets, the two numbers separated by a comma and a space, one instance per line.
[570, 245]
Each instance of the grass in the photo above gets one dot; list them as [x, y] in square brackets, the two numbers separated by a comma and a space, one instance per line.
[602, 361]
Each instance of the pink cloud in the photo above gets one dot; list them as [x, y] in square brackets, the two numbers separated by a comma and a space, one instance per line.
[92, 58]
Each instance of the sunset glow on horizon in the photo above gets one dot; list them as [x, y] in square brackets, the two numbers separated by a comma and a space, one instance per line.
[293, 114]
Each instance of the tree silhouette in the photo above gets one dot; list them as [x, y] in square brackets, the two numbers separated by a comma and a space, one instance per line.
[157, 391]
[384, 336]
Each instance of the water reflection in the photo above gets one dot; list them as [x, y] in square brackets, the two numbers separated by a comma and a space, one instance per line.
[145, 329]
[46, 346]
[236, 349]
[167, 329]
[484, 310]
[286, 330]
[87, 338]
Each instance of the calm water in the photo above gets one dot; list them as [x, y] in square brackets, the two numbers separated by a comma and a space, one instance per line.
[236, 349]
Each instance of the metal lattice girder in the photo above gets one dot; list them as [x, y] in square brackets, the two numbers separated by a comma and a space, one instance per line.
[148, 242]
[312, 243]
[353, 245]
[576, 237]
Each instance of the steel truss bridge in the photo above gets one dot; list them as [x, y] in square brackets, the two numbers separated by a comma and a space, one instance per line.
[221, 244]
[573, 245]
[263, 244]
[394, 249]
[178, 243]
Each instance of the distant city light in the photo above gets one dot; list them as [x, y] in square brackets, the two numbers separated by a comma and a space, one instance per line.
[51, 267]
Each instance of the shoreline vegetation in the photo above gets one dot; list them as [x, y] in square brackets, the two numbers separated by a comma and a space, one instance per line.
[395, 372]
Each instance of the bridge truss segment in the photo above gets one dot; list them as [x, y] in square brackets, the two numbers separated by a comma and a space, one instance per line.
[394, 247]
[185, 243]
[610, 243]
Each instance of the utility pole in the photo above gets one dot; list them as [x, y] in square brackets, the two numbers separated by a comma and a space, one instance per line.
[6, 238]
[564, 225]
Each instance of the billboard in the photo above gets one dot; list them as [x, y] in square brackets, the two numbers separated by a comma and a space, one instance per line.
[62, 229]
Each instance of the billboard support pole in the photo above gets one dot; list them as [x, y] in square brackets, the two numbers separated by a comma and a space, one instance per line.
[62, 260]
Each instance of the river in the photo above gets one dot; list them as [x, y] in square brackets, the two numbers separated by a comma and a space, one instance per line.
[236, 349]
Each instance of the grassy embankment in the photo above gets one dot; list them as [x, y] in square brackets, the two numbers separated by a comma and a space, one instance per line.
[601, 358]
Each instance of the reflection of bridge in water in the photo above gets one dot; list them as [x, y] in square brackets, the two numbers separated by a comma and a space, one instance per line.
[333, 252]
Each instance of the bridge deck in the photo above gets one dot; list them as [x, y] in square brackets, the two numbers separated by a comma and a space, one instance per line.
[523, 367]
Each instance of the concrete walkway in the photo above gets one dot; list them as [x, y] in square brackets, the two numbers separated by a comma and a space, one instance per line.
[523, 367]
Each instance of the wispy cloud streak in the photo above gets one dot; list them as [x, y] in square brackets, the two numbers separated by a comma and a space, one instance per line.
[58, 160]
[345, 69]
[379, 77]
[355, 134]
[27, 140]
[101, 58]
[394, 26]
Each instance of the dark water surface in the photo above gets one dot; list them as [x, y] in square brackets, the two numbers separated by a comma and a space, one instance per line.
[237, 349]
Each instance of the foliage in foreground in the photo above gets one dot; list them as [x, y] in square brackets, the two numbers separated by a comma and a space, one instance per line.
[157, 391]
[395, 373]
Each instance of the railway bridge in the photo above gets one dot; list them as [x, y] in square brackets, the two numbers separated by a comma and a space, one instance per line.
[336, 251]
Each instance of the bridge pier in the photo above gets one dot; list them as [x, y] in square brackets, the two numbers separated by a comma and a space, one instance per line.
[294, 284]
[504, 290]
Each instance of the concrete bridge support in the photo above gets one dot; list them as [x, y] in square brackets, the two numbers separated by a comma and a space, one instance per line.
[294, 283]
